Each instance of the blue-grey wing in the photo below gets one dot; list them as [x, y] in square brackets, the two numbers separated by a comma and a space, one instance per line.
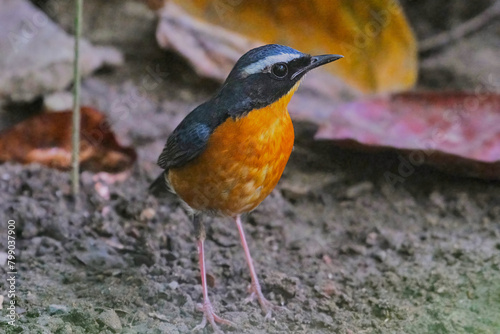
[187, 142]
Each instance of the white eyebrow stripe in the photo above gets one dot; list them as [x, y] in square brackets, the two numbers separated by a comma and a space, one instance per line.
[269, 60]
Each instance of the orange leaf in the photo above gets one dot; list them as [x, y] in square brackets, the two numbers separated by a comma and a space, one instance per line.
[46, 139]
[374, 36]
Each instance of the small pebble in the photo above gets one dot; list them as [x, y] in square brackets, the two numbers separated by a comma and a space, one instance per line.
[173, 285]
[111, 320]
[147, 214]
[57, 309]
[358, 189]
[371, 239]
[58, 101]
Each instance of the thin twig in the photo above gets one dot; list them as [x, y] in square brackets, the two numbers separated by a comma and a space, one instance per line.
[461, 30]
[75, 156]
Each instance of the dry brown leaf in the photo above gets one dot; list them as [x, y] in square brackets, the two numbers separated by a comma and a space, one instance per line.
[46, 139]
[374, 36]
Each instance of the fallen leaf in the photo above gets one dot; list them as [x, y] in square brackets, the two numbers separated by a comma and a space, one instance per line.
[374, 36]
[456, 131]
[211, 50]
[36, 55]
[210, 280]
[46, 139]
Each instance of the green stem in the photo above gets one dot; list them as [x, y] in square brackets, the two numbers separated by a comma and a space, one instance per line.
[75, 156]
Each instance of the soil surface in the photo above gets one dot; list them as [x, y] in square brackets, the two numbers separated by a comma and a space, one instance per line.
[341, 245]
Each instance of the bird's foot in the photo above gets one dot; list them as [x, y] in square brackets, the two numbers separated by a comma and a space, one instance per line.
[210, 316]
[266, 306]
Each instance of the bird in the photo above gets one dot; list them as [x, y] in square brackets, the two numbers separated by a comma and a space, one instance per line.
[228, 154]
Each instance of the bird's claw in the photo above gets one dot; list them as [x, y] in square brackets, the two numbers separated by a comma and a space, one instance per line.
[250, 298]
[210, 316]
[266, 306]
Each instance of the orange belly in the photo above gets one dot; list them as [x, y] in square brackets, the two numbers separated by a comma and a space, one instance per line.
[242, 163]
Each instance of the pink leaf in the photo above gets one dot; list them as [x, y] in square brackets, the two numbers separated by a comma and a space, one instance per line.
[456, 131]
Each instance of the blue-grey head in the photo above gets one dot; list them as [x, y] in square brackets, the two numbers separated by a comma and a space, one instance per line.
[264, 74]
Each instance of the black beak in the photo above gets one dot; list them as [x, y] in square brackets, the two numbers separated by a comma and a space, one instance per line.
[316, 61]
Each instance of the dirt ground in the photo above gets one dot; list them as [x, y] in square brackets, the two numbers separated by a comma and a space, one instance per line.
[345, 250]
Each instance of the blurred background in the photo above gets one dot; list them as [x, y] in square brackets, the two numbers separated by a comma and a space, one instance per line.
[387, 219]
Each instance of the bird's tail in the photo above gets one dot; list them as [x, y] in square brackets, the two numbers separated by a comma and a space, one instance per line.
[159, 186]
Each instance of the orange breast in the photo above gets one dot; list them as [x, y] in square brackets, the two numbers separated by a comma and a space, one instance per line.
[242, 163]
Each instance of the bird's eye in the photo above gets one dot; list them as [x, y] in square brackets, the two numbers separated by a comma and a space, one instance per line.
[280, 70]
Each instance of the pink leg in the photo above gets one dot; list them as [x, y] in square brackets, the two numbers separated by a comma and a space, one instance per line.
[255, 289]
[207, 308]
